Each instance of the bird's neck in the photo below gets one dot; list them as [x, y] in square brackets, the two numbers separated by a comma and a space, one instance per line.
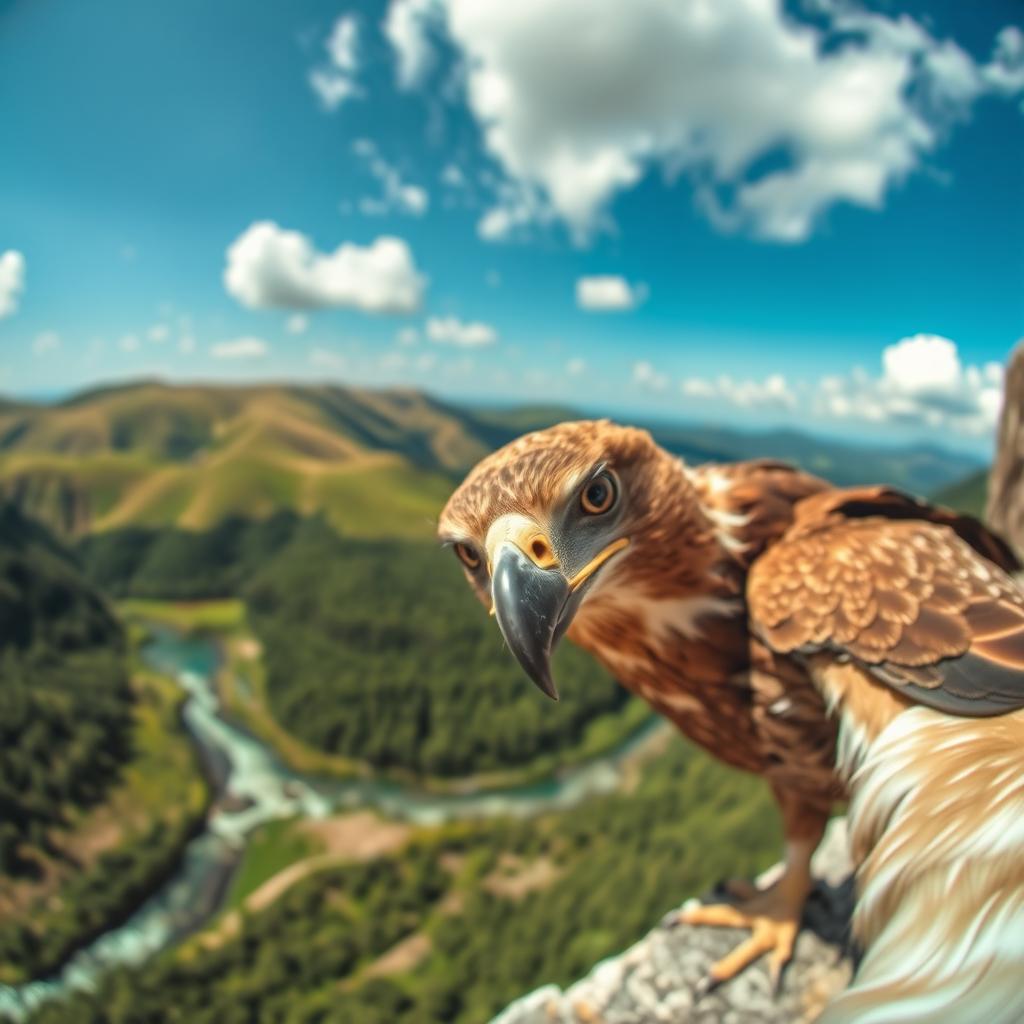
[680, 627]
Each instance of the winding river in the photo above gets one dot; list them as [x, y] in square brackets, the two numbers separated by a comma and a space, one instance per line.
[252, 787]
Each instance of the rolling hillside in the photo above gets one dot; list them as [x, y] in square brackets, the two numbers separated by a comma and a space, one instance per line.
[966, 495]
[152, 455]
[376, 463]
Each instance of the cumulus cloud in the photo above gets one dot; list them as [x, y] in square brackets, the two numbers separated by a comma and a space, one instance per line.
[45, 341]
[326, 359]
[773, 392]
[240, 348]
[12, 281]
[407, 27]
[773, 120]
[396, 194]
[334, 82]
[923, 387]
[297, 323]
[450, 330]
[608, 293]
[576, 366]
[923, 383]
[270, 267]
[1005, 72]
[452, 175]
[648, 377]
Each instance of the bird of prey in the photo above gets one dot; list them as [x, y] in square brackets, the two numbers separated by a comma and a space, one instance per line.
[837, 642]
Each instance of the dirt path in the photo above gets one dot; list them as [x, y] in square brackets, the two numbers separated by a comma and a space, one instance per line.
[346, 838]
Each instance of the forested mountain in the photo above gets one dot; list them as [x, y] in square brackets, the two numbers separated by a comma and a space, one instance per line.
[376, 463]
[484, 912]
[373, 650]
[65, 702]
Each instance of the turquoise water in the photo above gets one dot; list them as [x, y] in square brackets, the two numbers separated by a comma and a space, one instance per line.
[263, 789]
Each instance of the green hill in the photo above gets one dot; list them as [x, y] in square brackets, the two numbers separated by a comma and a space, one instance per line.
[375, 463]
[967, 495]
[378, 463]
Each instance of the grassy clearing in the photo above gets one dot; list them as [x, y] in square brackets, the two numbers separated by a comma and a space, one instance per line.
[271, 849]
[218, 616]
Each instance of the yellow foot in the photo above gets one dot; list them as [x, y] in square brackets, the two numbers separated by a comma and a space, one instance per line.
[773, 917]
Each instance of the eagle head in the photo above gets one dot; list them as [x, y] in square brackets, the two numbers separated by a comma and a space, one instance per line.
[543, 522]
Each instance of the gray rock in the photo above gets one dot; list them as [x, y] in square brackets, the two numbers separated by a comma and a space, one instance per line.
[1005, 511]
[653, 982]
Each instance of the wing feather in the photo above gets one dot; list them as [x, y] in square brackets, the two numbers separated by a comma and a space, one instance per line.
[916, 603]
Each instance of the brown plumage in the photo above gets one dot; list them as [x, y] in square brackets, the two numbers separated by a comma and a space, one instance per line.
[758, 609]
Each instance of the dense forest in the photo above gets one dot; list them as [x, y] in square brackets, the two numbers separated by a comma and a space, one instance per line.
[181, 565]
[374, 650]
[378, 651]
[99, 788]
[65, 699]
[307, 958]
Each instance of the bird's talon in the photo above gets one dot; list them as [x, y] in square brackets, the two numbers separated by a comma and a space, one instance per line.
[705, 987]
[776, 972]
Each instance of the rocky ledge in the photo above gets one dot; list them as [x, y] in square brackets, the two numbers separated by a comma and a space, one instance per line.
[654, 981]
[1005, 512]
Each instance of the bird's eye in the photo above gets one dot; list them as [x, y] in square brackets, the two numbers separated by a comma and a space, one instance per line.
[467, 556]
[599, 495]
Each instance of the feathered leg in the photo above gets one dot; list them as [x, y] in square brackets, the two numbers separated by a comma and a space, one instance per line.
[772, 914]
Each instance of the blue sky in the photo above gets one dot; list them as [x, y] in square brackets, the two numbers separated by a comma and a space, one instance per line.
[727, 212]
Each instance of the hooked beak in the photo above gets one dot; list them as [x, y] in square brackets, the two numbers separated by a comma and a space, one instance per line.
[535, 604]
[529, 603]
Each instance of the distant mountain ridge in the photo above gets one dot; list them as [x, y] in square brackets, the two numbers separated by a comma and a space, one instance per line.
[375, 462]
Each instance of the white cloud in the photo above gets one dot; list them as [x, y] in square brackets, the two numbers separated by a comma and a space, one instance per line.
[128, 343]
[698, 387]
[406, 27]
[773, 120]
[187, 344]
[407, 336]
[270, 267]
[773, 392]
[575, 367]
[12, 281]
[45, 341]
[1005, 72]
[453, 177]
[450, 330]
[646, 376]
[343, 42]
[396, 194]
[158, 333]
[608, 293]
[297, 323]
[240, 348]
[326, 359]
[331, 87]
[924, 384]
[335, 82]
